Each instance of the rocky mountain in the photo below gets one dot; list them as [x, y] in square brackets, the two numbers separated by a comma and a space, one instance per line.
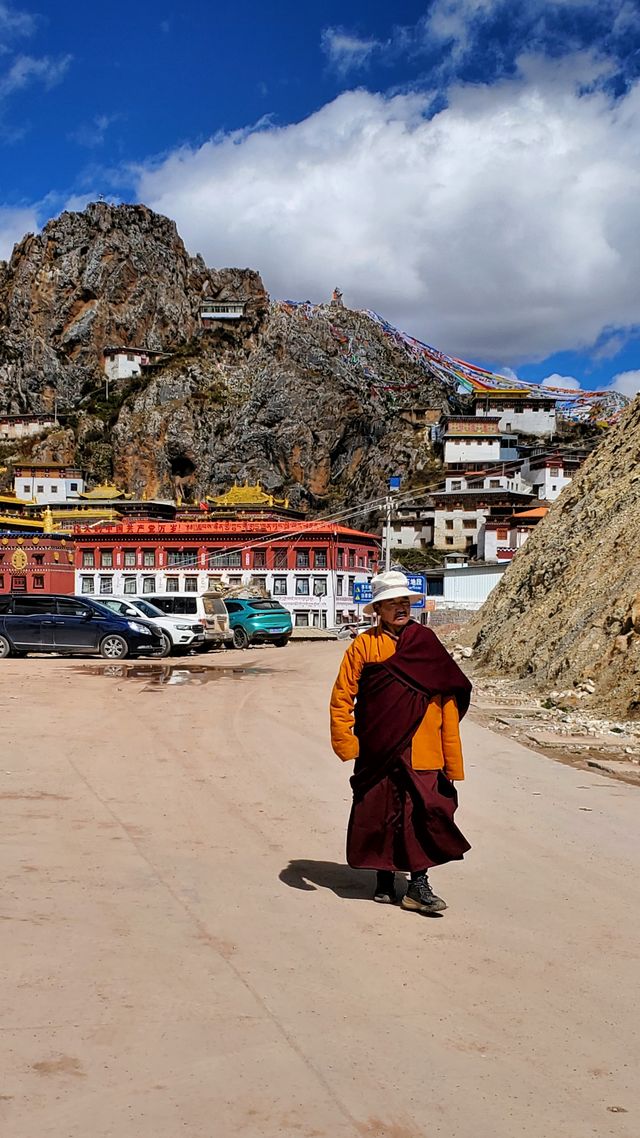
[307, 399]
[568, 609]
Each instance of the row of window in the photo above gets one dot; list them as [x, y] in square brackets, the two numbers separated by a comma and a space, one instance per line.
[303, 586]
[37, 581]
[188, 558]
[40, 488]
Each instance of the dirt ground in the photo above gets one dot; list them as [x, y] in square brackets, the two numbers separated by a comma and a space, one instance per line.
[185, 952]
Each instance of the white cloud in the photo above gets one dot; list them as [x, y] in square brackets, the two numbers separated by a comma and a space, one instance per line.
[26, 69]
[14, 223]
[567, 382]
[345, 50]
[626, 382]
[14, 23]
[505, 227]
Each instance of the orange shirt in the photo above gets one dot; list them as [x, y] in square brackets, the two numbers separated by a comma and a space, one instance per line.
[435, 745]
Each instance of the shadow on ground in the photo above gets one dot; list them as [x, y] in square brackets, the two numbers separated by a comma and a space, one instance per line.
[350, 884]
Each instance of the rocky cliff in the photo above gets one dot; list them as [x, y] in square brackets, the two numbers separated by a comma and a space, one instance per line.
[308, 399]
[568, 608]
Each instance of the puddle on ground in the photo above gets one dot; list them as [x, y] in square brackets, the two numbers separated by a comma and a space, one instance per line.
[166, 675]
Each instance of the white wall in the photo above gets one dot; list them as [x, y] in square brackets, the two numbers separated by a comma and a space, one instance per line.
[529, 422]
[322, 611]
[472, 451]
[469, 586]
[122, 366]
[53, 489]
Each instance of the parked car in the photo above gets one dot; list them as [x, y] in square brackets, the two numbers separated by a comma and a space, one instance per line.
[179, 634]
[72, 625]
[207, 608]
[257, 621]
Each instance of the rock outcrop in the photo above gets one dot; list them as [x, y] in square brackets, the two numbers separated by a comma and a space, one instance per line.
[568, 609]
[307, 399]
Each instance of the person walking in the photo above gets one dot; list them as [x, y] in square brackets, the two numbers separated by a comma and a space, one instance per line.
[395, 709]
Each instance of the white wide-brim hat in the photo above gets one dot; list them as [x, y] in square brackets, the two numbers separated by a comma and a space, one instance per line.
[388, 586]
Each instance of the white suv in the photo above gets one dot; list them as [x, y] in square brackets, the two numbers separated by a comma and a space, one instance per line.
[179, 633]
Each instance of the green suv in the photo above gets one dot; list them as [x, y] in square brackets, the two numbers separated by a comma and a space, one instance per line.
[258, 622]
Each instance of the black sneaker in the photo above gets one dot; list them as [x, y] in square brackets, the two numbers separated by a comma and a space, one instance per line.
[385, 893]
[420, 897]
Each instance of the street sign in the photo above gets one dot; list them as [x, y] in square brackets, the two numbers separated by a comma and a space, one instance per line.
[417, 584]
[362, 593]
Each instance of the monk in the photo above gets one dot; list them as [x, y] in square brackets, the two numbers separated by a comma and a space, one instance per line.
[395, 708]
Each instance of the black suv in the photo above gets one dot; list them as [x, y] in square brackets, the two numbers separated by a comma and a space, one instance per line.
[70, 624]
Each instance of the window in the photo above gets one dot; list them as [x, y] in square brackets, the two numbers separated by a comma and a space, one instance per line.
[213, 583]
[106, 559]
[352, 582]
[86, 585]
[339, 581]
[71, 607]
[259, 583]
[302, 559]
[88, 559]
[38, 558]
[106, 584]
[226, 560]
[279, 586]
[280, 559]
[54, 489]
[130, 558]
[448, 524]
[469, 524]
[553, 486]
[320, 558]
[1, 580]
[148, 584]
[259, 559]
[494, 483]
[302, 586]
[131, 358]
[191, 584]
[40, 488]
[319, 586]
[554, 472]
[361, 563]
[233, 606]
[435, 586]
[73, 485]
[301, 619]
[26, 489]
[182, 557]
[341, 559]
[172, 584]
[38, 582]
[33, 606]
[130, 585]
[457, 485]
[148, 558]
[448, 541]
[235, 580]
[352, 559]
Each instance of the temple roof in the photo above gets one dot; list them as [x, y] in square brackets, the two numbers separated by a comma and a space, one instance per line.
[105, 492]
[247, 495]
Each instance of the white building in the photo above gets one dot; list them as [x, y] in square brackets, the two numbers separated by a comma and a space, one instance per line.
[460, 585]
[470, 442]
[547, 476]
[526, 413]
[123, 363]
[411, 528]
[221, 310]
[459, 515]
[46, 483]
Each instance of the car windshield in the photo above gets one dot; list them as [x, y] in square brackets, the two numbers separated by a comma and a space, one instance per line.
[149, 610]
[103, 609]
[261, 605]
[213, 606]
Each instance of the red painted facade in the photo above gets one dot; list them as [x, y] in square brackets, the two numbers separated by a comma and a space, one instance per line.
[36, 564]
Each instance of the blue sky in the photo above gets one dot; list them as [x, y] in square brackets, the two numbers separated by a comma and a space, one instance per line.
[468, 168]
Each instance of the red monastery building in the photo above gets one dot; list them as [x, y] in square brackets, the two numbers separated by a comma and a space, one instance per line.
[310, 566]
[38, 563]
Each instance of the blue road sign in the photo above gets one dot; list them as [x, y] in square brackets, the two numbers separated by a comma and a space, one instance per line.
[362, 593]
[417, 584]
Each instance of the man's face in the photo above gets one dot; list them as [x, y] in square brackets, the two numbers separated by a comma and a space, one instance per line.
[395, 613]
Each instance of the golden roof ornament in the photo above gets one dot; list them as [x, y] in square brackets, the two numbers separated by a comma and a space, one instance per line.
[246, 495]
[47, 521]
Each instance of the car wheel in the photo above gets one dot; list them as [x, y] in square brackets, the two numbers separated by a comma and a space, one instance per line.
[167, 646]
[5, 648]
[240, 638]
[114, 647]
[281, 642]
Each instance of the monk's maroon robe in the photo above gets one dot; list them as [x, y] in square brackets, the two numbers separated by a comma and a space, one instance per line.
[401, 818]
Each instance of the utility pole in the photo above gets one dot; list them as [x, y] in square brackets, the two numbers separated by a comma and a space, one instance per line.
[394, 486]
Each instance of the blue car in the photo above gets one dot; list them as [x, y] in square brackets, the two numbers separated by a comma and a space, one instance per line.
[258, 622]
[71, 625]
